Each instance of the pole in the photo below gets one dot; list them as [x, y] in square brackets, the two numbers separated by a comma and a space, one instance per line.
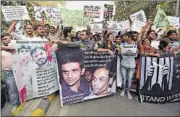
[177, 8]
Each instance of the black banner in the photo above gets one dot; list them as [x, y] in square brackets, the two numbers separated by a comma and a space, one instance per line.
[85, 75]
[160, 79]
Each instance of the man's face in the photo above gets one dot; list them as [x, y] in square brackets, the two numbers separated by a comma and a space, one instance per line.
[100, 81]
[71, 73]
[39, 56]
[118, 40]
[29, 29]
[83, 36]
[40, 31]
[173, 36]
[46, 29]
[52, 29]
[88, 75]
[6, 40]
[152, 35]
[135, 36]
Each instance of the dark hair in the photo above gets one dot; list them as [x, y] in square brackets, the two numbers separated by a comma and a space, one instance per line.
[46, 25]
[87, 33]
[37, 26]
[24, 47]
[67, 30]
[171, 32]
[52, 27]
[151, 31]
[117, 36]
[135, 32]
[26, 25]
[129, 34]
[163, 44]
[5, 34]
[35, 49]
[109, 34]
[77, 33]
[67, 55]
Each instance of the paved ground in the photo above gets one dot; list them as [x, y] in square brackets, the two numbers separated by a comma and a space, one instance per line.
[107, 106]
[114, 106]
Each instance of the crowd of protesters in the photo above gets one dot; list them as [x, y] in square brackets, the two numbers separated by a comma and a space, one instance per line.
[105, 41]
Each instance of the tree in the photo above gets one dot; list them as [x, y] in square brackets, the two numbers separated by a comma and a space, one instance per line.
[125, 8]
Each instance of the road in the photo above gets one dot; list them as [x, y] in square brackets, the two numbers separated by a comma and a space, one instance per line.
[113, 106]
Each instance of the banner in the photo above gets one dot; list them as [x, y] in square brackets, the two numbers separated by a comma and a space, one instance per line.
[15, 13]
[52, 15]
[160, 20]
[139, 16]
[85, 75]
[92, 11]
[160, 79]
[96, 27]
[137, 26]
[129, 50]
[35, 69]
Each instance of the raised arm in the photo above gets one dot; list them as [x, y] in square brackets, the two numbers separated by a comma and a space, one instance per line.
[147, 26]
[12, 26]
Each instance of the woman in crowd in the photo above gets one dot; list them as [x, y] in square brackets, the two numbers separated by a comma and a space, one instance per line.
[108, 46]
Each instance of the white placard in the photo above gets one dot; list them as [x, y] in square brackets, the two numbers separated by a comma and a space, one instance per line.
[140, 16]
[96, 27]
[129, 50]
[174, 21]
[51, 13]
[137, 25]
[15, 13]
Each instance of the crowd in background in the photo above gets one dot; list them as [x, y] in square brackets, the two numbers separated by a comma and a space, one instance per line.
[148, 42]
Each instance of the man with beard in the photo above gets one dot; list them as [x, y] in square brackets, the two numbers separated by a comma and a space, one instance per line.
[28, 32]
[40, 57]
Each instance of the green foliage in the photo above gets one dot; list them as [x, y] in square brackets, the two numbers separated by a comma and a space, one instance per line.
[125, 8]
[73, 18]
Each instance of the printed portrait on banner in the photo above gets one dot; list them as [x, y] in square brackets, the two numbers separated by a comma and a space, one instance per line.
[85, 75]
[35, 69]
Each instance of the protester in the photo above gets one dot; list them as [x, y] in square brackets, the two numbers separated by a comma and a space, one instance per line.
[85, 40]
[78, 36]
[29, 34]
[128, 66]
[108, 46]
[164, 48]
[54, 33]
[68, 34]
[6, 54]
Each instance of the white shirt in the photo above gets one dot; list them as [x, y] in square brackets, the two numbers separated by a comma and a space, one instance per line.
[21, 37]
